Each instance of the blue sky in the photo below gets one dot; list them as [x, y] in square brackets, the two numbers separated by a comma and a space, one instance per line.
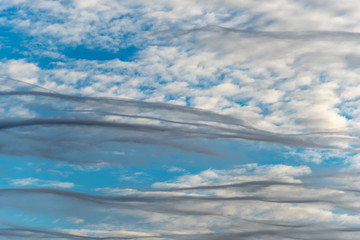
[179, 119]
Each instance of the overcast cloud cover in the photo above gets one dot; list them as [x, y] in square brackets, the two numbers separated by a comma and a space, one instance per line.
[179, 119]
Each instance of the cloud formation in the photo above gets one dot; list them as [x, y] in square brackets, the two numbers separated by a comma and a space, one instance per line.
[265, 206]
[110, 84]
[107, 121]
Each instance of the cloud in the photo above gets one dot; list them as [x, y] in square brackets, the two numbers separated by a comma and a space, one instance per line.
[176, 169]
[22, 232]
[40, 183]
[301, 76]
[75, 220]
[241, 50]
[263, 205]
[20, 69]
[162, 124]
[262, 234]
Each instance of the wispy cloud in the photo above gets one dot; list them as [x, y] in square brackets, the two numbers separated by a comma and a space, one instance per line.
[175, 124]
[21, 182]
[266, 206]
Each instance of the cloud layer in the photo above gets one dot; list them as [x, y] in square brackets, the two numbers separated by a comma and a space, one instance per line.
[97, 87]
[266, 201]
[81, 124]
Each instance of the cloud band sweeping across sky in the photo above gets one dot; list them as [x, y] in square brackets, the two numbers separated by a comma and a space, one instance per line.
[207, 204]
[176, 122]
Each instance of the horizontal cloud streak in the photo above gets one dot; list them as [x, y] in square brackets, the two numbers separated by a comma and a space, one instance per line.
[291, 35]
[30, 233]
[210, 202]
[237, 134]
[252, 184]
[113, 200]
[166, 125]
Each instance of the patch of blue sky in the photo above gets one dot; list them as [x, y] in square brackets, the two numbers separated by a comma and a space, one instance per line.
[139, 175]
[152, 165]
[83, 52]
[85, 177]
[348, 108]
[230, 153]
[242, 101]
[19, 167]
[147, 89]
[146, 166]
[10, 12]
[17, 217]
[12, 44]
[51, 212]
[19, 45]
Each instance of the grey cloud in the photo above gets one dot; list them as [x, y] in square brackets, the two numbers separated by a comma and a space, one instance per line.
[159, 141]
[290, 35]
[202, 114]
[33, 233]
[170, 203]
[48, 234]
[113, 200]
[185, 132]
[175, 123]
[309, 232]
[331, 175]
[97, 203]
[251, 185]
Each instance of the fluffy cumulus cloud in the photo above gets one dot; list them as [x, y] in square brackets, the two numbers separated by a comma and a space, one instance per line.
[194, 117]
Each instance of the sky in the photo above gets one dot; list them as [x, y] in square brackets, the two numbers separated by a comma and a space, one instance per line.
[179, 119]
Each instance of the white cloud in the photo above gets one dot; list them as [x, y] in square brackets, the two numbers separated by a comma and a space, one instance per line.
[282, 170]
[106, 23]
[75, 220]
[41, 183]
[238, 174]
[105, 232]
[25, 181]
[176, 169]
[20, 69]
